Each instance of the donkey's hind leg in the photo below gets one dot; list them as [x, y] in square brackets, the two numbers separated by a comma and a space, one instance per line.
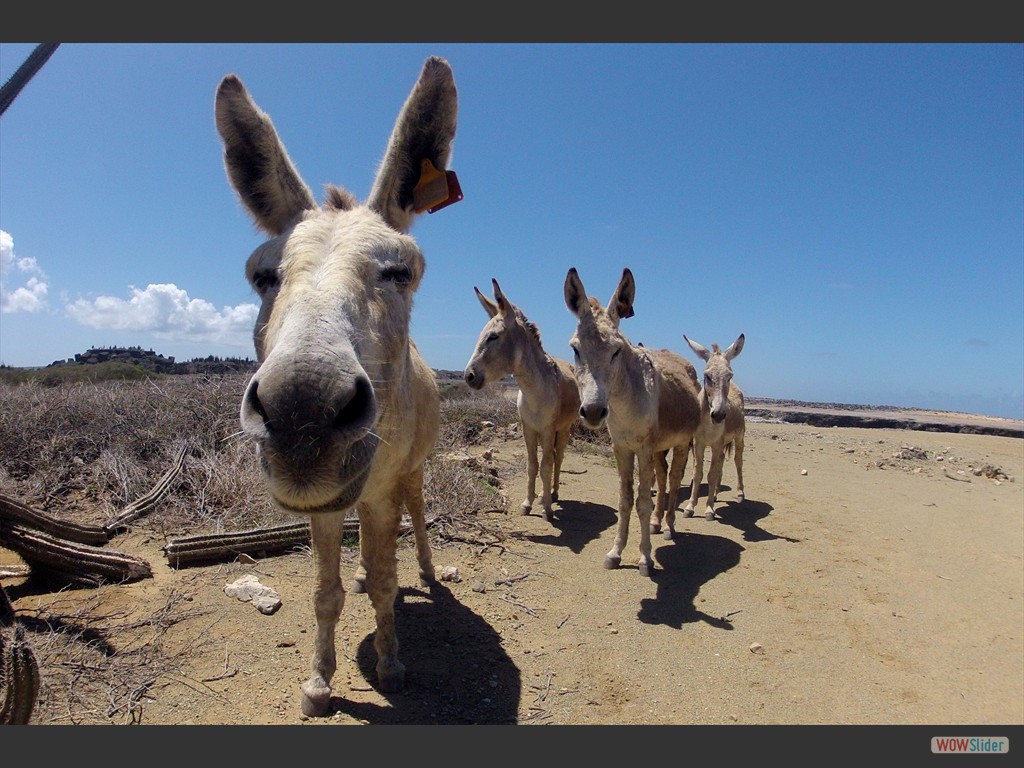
[416, 506]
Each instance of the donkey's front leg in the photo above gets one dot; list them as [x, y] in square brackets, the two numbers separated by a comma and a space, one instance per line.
[547, 469]
[644, 505]
[379, 526]
[328, 602]
[561, 442]
[624, 462]
[530, 437]
[714, 479]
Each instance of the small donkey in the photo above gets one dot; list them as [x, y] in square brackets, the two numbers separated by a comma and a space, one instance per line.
[343, 409]
[722, 424]
[548, 400]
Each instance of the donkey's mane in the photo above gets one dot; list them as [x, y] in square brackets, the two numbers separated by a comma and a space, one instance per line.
[339, 199]
[531, 327]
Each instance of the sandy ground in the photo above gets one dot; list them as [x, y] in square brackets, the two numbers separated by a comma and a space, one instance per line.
[870, 578]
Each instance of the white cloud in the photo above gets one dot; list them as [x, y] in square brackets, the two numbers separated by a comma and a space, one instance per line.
[30, 296]
[167, 311]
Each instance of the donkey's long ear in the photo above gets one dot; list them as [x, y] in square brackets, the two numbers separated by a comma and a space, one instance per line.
[735, 348]
[499, 297]
[257, 164]
[575, 294]
[621, 304]
[424, 130]
[700, 349]
[489, 306]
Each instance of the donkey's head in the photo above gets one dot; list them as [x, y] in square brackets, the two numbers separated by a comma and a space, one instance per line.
[501, 339]
[598, 344]
[336, 284]
[717, 374]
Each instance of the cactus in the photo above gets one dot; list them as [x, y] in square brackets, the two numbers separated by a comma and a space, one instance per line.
[19, 672]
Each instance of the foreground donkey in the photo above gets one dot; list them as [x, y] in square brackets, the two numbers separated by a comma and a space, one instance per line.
[342, 408]
[722, 424]
[548, 400]
[647, 397]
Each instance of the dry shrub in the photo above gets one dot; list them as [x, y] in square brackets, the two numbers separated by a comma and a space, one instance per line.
[100, 667]
[83, 451]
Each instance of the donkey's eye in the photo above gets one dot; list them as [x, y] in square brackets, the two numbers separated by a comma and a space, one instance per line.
[492, 337]
[616, 353]
[264, 280]
[400, 274]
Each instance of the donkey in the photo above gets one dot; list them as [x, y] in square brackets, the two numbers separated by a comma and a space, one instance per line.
[648, 398]
[343, 409]
[548, 400]
[722, 424]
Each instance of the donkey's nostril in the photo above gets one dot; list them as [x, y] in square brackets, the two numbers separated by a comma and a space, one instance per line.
[252, 403]
[358, 407]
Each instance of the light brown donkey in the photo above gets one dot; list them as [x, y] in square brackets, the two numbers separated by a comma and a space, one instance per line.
[722, 424]
[343, 409]
[548, 400]
[648, 398]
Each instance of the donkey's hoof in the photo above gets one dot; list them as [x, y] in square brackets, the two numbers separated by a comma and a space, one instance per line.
[358, 586]
[611, 562]
[316, 699]
[428, 579]
[554, 496]
[655, 527]
[709, 515]
[687, 512]
[391, 679]
[549, 515]
[524, 509]
[645, 568]
[740, 496]
[667, 535]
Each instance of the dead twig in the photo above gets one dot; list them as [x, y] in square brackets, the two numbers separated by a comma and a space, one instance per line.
[517, 604]
[141, 506]
[511, 580]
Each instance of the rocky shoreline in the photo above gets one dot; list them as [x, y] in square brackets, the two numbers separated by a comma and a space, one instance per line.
[880, 417]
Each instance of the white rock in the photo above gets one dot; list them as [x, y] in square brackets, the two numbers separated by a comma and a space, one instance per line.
[450, 573]
[249, 590]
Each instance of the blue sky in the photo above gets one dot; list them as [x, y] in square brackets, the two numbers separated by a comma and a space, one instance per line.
[856, 210]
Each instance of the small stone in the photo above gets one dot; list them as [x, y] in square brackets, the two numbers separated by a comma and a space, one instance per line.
[450, 573]
[756, 648]
[479, 586]
[803, 471]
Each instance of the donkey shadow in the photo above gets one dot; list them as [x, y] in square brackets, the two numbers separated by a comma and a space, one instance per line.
[577, 523]
[743, 516]
[457, 672]
[691, 561]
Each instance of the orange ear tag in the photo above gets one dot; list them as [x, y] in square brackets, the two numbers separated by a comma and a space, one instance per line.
[435, 189]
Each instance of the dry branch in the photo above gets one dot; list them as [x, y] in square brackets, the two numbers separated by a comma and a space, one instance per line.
[68, 561]
[224, 546]
[227, 546]
[16, 512]
[144, 504]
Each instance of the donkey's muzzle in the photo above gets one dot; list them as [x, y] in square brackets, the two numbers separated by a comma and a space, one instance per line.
[313, 432]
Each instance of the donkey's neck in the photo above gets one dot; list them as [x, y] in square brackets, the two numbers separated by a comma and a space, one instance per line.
[533, 369]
